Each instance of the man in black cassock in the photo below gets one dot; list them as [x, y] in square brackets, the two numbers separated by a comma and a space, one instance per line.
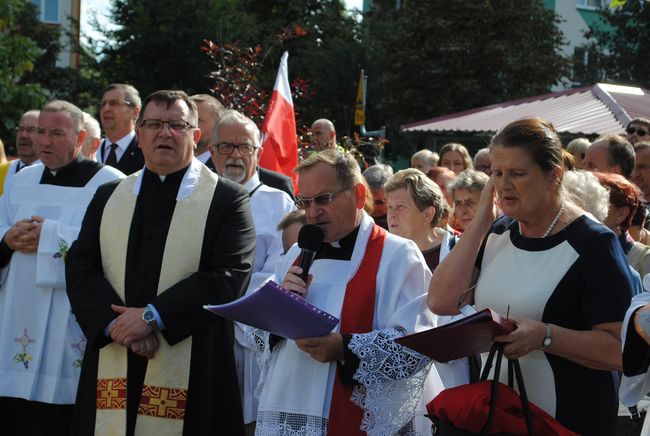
[138, 295]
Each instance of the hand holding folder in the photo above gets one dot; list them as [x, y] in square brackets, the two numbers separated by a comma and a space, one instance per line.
[277, 310]
[467, 336]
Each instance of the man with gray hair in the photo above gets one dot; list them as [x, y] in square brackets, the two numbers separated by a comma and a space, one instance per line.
[376, 176]
[118, 112]
[27, 154]
[424, 160]
[235, 152]
[93, 137]
[323, 134]
[483, 162]
[41, 344]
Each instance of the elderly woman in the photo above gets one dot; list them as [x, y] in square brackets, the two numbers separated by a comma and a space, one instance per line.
[416, 210]
[624, 199]
[560, 275]
[455, 157]
[466, 193]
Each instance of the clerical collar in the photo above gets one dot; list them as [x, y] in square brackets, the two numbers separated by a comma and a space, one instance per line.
[68, 169]
[174, 178]
[341, 249]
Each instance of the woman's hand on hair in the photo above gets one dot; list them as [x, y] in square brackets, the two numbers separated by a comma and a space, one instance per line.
[487, 210]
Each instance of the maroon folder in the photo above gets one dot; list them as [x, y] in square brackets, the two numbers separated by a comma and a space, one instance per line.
[470, 335]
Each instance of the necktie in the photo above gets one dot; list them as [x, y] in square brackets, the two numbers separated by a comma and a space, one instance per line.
[112, 157]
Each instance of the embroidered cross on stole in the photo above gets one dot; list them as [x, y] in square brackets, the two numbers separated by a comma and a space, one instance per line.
[164, 394]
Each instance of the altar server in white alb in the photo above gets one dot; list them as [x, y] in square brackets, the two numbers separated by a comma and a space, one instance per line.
[235, 154]
[41, 344]
[356, 379]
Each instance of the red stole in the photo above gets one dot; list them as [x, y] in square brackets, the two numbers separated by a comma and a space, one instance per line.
[356, 317]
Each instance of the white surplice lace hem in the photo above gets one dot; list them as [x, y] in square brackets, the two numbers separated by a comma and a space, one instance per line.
[391, 382]
[257, 341]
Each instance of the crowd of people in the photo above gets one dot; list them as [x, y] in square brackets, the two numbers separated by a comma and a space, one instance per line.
[112, 244]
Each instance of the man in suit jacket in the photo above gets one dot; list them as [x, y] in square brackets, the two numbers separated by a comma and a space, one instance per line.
[118, 112]
[210, 110]
[27, 154]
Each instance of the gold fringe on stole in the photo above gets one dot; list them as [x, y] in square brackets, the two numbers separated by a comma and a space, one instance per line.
[164, 394]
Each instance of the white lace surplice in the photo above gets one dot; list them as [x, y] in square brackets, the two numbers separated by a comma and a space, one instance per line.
[296, 390]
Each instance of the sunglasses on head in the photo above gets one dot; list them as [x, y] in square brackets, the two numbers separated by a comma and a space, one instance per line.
[632, 130]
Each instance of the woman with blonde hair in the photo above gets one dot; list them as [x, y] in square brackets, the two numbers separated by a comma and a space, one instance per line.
[455, 157]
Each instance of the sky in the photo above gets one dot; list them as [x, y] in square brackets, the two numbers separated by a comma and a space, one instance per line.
[100, 7]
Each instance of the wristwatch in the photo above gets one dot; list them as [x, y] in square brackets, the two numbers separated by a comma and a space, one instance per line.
[549, 337]
[149, 317]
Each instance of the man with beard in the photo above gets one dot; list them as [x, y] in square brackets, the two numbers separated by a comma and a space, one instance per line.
[27, 154]
[235, 152]
[118, 112]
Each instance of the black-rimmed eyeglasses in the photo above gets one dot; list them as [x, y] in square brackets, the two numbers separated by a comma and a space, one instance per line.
[157, 125]
[322, 199]
[228, 147]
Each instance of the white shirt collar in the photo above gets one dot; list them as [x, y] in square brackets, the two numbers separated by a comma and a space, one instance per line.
[188, 184]
[203, 157]
[122, 143]
[252, 183]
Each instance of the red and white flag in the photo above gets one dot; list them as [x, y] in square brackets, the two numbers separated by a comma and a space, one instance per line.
[279, 131]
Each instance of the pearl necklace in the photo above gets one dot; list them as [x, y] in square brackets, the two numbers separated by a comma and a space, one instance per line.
[553, 223]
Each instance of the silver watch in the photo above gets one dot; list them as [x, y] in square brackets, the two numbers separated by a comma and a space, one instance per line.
[149, 318]
[549, 337]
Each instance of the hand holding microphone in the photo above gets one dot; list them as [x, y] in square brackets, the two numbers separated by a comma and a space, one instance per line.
[310, 240]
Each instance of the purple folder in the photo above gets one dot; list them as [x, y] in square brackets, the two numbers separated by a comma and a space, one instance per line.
[279, 311]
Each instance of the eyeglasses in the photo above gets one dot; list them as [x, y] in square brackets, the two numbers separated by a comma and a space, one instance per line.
[157, 125]
[228, 147]
[633, 130]
[115, 103]
[321, 199]
[19, 129]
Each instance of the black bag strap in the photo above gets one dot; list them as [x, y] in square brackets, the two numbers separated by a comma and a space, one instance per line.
[513, 367]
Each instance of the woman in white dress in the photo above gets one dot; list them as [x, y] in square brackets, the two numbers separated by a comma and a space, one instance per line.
[560, 275]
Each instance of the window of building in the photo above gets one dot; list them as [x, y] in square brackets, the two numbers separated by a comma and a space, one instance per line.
[591, 4]
[48, 10]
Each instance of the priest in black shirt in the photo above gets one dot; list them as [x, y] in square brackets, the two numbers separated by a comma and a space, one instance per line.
[138, 295]
[40, 215]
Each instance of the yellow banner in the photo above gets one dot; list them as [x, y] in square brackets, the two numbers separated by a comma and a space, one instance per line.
[617, 3]
[360, 111]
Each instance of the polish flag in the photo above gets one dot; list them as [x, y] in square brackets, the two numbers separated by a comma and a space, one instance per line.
[279, 131]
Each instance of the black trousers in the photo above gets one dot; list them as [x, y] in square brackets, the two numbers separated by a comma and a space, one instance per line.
[31, 418]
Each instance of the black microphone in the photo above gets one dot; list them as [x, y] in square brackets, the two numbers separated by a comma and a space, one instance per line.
[310, 239]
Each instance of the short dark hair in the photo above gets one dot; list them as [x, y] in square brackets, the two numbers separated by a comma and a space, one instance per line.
[169, 96]
[621, 153]
[294, 217]
[640, 120]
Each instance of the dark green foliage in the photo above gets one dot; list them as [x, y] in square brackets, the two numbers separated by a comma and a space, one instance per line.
[623, 44]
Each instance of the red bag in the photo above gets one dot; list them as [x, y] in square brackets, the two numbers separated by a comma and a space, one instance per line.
[468, 409]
